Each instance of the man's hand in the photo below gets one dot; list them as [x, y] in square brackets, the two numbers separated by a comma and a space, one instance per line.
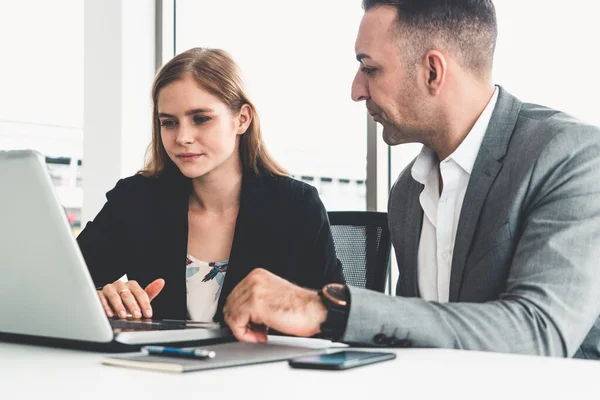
[264, 300]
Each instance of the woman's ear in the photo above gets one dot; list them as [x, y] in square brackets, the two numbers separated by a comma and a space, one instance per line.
[244, 119]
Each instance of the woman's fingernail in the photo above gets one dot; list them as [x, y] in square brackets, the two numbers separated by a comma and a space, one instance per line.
[122, 314]
[137, 314]
[149, 313]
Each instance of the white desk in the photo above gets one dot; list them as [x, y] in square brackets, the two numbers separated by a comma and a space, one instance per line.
[34, 372]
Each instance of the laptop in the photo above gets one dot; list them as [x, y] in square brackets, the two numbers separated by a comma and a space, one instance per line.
[47, 295]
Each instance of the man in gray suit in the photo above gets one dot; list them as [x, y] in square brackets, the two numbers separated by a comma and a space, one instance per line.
[495, 225]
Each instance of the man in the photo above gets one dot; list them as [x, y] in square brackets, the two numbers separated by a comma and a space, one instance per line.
[496, 224]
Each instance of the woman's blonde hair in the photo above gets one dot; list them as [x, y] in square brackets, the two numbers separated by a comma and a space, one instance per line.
[216, 72]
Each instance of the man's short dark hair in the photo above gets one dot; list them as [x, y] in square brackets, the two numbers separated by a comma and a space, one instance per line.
[467, 28]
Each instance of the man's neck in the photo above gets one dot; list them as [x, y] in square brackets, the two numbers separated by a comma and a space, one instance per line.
[463, 107]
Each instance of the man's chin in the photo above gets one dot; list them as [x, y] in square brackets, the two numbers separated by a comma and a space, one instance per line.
[390, 138]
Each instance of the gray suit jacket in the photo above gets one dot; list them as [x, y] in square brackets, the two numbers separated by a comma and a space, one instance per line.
[525, 275]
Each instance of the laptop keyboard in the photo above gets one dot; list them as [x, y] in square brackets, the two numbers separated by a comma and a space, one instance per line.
[124, 325]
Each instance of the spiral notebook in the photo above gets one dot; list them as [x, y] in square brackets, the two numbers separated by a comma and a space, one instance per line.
[227, 355]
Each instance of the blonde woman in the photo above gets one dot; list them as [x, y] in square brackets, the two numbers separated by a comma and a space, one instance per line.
[210, 206]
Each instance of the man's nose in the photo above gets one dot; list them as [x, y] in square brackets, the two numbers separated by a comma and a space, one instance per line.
[360, 87]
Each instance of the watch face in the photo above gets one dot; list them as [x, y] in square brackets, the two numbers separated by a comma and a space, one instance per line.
[337, 293]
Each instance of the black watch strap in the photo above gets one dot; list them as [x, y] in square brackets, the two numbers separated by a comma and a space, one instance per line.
[334, 326]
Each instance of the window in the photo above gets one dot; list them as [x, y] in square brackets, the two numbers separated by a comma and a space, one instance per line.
[41, 103]
[298, 66]
[548, 57]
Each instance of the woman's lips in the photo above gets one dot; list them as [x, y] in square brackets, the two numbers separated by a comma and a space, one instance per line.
[188, 157]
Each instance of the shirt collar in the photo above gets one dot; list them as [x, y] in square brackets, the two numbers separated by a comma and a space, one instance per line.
[425, 162]
[466, 153]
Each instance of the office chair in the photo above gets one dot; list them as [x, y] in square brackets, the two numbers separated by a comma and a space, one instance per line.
[362, 243]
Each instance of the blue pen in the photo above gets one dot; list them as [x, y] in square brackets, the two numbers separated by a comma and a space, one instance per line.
[177, 352]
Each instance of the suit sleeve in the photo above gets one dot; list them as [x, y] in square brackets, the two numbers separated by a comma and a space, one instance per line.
[319, 255]
[103, 240]
[552, 295]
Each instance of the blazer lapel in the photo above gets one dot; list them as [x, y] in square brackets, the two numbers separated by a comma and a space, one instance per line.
[172, 211]
[241, 258]
[486, 168]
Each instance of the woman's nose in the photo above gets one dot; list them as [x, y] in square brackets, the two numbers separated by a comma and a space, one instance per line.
[184, 134]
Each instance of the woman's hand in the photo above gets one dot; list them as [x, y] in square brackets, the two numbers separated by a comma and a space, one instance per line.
[122, 298]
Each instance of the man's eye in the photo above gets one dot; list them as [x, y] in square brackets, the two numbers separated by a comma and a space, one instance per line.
[168, 123]
[200, 119]
[368, 71]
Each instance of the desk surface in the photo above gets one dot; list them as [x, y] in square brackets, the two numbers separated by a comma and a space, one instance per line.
[32, 372]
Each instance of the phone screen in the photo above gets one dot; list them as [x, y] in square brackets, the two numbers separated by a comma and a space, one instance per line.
[341, 359]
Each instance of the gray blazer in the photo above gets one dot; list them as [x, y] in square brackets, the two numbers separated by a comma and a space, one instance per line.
[525, 275]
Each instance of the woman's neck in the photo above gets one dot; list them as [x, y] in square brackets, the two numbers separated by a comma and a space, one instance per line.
[218, 191]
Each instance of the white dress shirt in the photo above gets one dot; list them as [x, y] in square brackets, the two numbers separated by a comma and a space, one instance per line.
[441, 213]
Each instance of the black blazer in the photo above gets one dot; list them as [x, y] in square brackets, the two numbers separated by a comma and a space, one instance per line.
[142, 231]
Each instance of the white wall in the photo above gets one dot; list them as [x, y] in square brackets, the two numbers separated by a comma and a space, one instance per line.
[119, 69]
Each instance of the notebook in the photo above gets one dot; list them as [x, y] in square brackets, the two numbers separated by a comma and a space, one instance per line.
[46, 292]
[226, 355]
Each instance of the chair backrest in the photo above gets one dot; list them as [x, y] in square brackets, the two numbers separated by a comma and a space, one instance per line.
[362, 243]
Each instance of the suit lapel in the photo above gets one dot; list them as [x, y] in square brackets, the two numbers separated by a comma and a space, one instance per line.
[485, 170]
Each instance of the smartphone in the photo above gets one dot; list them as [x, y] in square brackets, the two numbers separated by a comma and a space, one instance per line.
[340, 360]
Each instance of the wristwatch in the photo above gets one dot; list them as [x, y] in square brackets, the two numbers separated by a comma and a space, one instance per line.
[336, 299]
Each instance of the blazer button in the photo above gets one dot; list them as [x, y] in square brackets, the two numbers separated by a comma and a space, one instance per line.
[380, 338]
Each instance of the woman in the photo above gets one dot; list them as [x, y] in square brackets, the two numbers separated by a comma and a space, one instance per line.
[210, 206]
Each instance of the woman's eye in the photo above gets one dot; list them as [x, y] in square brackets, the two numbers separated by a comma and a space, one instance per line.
[200, 119]
[368, 71]
[168, 123]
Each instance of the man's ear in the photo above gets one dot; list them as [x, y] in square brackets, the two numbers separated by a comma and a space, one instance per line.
[435, 68]
[244, 119]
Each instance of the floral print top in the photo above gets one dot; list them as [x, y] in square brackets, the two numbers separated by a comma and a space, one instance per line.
[204, 282]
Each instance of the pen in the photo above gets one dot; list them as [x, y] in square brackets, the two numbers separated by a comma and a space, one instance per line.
[177, 352]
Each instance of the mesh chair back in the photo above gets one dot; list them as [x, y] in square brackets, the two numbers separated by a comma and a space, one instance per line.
[362, 243]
